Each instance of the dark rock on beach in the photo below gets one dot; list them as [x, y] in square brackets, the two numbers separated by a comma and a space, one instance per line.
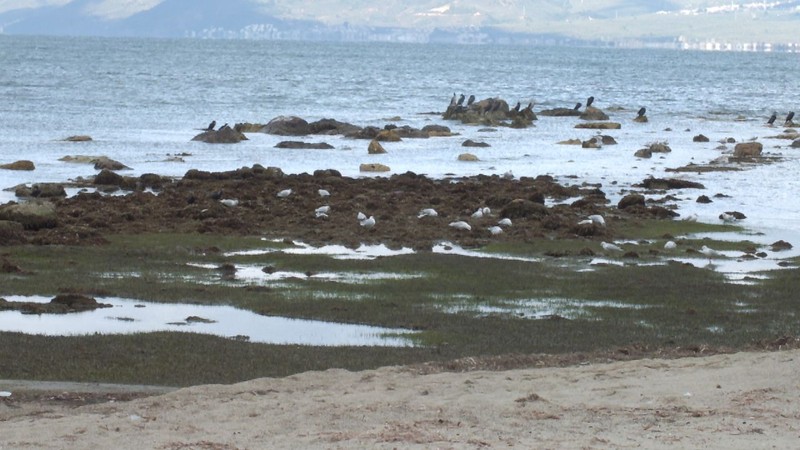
[225, 135]
[304, 145]
[471, 143]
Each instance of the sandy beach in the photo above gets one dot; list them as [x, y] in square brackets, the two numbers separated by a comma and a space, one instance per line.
[742, 400]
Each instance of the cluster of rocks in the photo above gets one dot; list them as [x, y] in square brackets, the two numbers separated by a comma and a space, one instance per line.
[60, 304]
[491, 111]
[244, 202]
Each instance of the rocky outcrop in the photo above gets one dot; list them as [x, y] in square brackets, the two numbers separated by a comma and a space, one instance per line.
[700, 138]
[592, 113]
[520, 208]
[561, 112]
[287, 126]
[747, 150]
[373, 167]
[225, 135]
[103, 162]
[631, 200]
[41, 190]
[669, 183]
[304, 145]
[60, 304]
[375, 148]
[19, 165]
[33, 215]
[599, 125]
[491, 111]
[471, 143]
[332, 127]
[468, 157]
[11, 233]
[78, 138]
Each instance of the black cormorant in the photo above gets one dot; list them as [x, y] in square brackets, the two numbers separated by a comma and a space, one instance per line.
[789, 117]
[223, 127]
[461, 100]
[211, 125]
[516, 108]
[772, 118]
[577, 106]
[470, 100]
[589, 101]
[641, 111]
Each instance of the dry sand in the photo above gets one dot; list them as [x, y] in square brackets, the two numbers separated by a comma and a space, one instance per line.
[731, 401]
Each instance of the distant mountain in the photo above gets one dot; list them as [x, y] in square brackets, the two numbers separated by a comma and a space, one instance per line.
[622, 22]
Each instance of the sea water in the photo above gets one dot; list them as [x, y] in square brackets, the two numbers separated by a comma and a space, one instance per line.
[142, 101]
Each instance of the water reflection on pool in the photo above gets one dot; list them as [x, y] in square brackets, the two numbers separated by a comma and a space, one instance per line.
[133, 316]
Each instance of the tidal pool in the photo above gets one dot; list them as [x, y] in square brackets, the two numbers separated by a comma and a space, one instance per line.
[134, 316]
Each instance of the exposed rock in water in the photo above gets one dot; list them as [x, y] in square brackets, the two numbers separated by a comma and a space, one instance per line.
[631, 200]
[304, 145]
[469, 157]
[373, 167]
[287, 126]
[747, 150]
[700, 138]
[593, 113]
[375, 148]
[600, 126]
[19, 165]
[78, 138]
[669, 183]
[703, 199]
[41, 190]
[471, 143]
[103, 162]
[61, 304]
[225, 135]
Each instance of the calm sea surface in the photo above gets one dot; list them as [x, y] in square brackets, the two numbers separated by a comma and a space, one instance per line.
[142, 100]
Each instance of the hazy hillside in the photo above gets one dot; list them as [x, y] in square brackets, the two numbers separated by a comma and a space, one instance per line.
[743, 21]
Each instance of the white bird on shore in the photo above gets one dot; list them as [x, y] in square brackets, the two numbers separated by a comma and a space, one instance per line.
[509, 175]
[585, 222]
[710, 252]
[230, 202]
[610, 247]
[504, 222]
[478, 214]
[728, 218]
[690, 218]
[597, 219]
[495, 230]
[323, 193]
[368, 222]
[427, 212]
[322, 211]
[284, 193]
[670, 245]
[361, 216]
[461, 225]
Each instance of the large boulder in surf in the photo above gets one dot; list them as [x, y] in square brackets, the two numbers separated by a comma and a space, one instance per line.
[375, 148]
[592, 113]
[747, 150]
[19, 165]
[225, 135]
[560, 112]
[287, 126]
[332, 127]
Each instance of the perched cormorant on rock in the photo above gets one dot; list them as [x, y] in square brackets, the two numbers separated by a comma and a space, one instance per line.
[461, 100]
[470, 100]
[516, 108]
[223, 127]
[772, 118]
[641, 112]
[453, 100]
[577, 106]
[789, 117]
[589, 101]
[211, 125]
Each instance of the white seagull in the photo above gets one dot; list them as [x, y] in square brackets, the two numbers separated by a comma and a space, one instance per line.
[597, 219]
[361, 216]
[610, 247]
[285, 193]
[230, 202]
[323, 193]
[710, 252]
[495, 230]
[478, 214]
[323, 209]
[368, 222]
[461, 225]
[427, 212]
[670, 245]
[505, 222]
